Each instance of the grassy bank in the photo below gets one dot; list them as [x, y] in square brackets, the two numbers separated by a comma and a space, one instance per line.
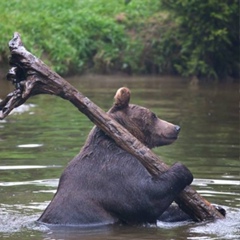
[142, 37]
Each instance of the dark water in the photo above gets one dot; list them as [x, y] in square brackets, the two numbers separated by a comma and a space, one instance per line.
[38, 140]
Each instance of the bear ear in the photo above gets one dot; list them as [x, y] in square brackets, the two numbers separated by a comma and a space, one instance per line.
[122, 98]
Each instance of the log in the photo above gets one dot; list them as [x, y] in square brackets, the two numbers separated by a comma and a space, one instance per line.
[31, 77]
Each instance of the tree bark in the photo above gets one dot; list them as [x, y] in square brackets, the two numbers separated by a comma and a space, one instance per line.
[31, 76]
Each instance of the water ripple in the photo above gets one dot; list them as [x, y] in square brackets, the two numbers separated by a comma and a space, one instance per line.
[205, 182]
[30, 145]
[45, 182]
[16, 167]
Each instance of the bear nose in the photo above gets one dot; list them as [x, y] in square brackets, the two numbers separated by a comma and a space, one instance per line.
[177, 128]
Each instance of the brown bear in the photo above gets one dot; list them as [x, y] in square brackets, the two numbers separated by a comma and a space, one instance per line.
[104, 184]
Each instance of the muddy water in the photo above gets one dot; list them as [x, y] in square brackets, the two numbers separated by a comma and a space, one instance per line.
[39, 138]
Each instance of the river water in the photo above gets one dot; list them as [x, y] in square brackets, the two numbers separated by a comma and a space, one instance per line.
[40, 137]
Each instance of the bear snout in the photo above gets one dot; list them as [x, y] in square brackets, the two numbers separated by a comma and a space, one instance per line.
[172, 132]
[169, 134]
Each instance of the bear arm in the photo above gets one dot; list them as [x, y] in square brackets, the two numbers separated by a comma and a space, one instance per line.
[163, 189]
[175, 179]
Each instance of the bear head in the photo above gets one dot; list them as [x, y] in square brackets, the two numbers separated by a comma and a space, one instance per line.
[141, 122]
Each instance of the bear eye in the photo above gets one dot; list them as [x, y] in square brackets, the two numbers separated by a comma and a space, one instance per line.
[154, 116]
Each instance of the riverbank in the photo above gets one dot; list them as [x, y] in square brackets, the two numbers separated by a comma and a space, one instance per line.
[132, 37]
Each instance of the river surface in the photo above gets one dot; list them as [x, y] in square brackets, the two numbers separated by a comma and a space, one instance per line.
[42, 136]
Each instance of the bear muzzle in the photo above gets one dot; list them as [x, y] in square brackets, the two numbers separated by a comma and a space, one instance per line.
[173, 134]
[170, 135]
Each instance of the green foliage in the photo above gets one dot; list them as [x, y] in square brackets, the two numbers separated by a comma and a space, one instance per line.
[66, 34]
[207, 34]
[71, 35]
[190, 37]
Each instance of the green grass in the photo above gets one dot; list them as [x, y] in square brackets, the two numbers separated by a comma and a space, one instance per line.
[71, 35]
[106, 36]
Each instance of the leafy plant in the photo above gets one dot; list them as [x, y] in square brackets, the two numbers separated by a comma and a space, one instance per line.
[207, 35]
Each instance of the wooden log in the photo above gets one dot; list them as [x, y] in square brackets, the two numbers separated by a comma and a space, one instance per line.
[31, 76]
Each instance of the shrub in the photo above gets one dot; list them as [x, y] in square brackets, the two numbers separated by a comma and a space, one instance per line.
[207, 35]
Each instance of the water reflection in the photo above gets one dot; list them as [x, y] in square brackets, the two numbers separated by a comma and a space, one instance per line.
[41, 137]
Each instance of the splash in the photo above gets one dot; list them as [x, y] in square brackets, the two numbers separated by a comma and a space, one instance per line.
[12, 221]
[229, 228]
